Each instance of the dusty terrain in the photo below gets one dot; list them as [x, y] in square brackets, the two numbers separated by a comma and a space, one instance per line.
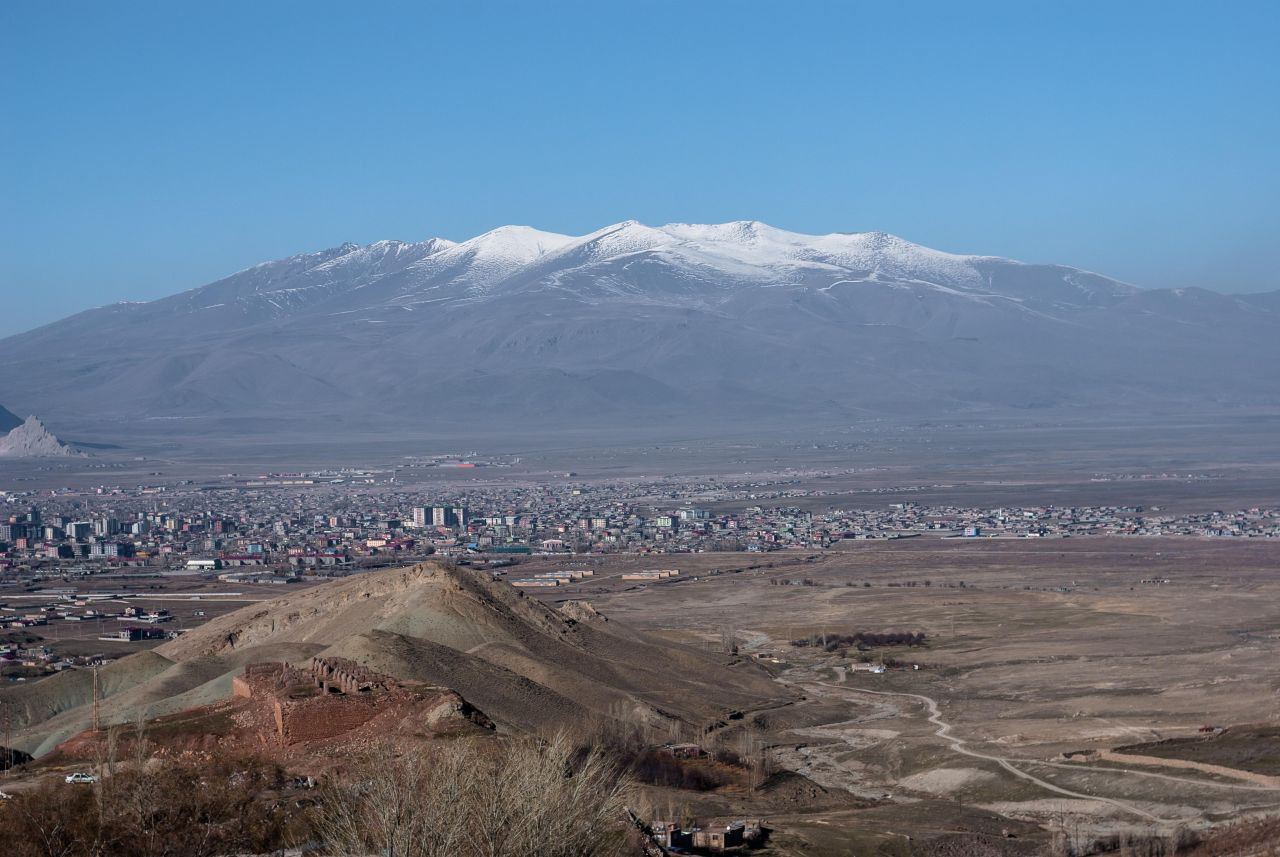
[527, 666]
[1041, 659]
[1050, 647]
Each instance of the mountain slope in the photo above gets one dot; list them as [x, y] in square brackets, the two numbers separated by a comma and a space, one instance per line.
[144, 684]
[8, 420]
[674, 325]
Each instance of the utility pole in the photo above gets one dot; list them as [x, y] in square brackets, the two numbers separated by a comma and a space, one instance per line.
[95, 697]
[8, 742]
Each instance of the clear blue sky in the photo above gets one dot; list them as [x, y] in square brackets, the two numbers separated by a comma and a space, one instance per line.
[152, 147]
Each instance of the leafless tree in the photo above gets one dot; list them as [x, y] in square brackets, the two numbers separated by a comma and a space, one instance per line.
[187, 808]
[478, 798]
[729, 640]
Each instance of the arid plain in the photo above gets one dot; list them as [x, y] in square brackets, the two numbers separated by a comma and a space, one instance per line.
[1036, 649]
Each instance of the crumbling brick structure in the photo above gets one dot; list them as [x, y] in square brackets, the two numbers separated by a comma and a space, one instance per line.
[320, 717]
[328, 697]
[266, 679]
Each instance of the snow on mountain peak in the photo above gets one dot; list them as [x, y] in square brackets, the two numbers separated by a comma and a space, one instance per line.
[495, 255]
[686, 264]
[739, 248]
[735, 231]
[629, 236]
[515, 242]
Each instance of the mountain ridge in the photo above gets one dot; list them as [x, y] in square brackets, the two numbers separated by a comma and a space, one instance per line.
[672, 323]
[519, 245]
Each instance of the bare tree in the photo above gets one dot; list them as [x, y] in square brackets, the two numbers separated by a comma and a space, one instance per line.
[156, 813]
[728, 640]
[478, 798]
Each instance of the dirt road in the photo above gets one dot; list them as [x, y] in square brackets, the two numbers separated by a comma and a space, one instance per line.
[958, 745]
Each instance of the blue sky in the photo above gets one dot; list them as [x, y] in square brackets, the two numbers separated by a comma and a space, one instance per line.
[152, 147]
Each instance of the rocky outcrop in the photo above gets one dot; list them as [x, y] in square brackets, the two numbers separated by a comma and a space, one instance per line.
[33, 440]
[582, 611]
[450, 712]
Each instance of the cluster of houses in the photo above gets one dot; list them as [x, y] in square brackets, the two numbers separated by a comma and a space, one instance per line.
[713, 838]
[67, 607]
[43, 660]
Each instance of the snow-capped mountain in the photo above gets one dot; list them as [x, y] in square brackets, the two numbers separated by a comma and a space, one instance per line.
[682, 322]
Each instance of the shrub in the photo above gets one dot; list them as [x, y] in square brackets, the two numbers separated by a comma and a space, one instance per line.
[478, 798]
[162, 809]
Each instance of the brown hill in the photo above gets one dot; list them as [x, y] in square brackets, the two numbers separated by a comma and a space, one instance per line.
[145, 685]
[526, 666]
[520, 661]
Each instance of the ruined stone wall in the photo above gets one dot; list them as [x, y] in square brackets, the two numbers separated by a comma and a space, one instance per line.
[329, 697]
[323, 717]
[263, 680]
[347, 676]
[330, 674]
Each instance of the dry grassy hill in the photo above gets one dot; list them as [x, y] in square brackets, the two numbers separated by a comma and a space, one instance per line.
[524, 664]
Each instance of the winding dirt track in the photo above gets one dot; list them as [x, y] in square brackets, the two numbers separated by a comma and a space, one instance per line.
[1261, 782]
[1007, 763]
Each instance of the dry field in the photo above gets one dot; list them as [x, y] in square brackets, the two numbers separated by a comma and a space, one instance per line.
[1042, 658]
[1049, 647]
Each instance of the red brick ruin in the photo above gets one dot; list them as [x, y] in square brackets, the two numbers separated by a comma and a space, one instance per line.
[328, 697]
